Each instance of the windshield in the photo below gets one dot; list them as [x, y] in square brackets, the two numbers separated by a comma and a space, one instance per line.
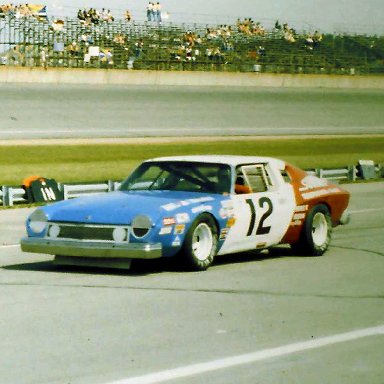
[179, 176]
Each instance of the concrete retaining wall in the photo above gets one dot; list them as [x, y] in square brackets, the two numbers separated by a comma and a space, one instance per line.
[133, 77]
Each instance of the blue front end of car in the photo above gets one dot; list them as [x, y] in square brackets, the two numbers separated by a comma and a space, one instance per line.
[119, 225]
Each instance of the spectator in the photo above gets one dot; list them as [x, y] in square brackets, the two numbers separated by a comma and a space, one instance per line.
[289, 33]
[73, 48]
[139, 48]
[261, 52]
[110, 17]
[80, 15]
[309, 42]
[127, 16]
[317, 38]
[189, 54]
[43, 58]
[157, 11]
[119, 39]
[149, 11]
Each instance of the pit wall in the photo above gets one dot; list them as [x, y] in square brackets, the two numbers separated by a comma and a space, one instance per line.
[136, 77]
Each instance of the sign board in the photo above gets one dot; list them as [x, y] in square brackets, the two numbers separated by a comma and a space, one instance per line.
[44, 191]
[94, 51]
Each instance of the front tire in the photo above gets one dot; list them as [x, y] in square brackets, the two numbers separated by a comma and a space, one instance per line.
[316, 233]
[200, 244]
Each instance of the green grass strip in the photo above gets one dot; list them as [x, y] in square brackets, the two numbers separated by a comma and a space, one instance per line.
[113, 161]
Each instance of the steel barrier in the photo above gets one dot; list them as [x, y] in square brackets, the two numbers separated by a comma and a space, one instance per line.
[10, 196]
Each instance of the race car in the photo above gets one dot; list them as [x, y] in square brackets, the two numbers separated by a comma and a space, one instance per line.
[194, 208]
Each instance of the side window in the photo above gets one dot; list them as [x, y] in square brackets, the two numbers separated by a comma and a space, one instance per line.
[257, 177]
[285, 175]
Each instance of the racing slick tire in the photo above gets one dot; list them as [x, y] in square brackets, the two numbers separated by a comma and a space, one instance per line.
[316, 233]
[200, 244]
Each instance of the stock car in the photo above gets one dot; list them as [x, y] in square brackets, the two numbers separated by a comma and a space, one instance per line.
[194, 208]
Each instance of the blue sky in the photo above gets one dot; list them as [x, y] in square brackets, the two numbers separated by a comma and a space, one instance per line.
[327, 15]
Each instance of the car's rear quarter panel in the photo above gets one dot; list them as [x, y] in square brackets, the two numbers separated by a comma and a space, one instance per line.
[307, 196]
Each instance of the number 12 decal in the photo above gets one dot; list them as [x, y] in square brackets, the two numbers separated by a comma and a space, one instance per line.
[261, 229]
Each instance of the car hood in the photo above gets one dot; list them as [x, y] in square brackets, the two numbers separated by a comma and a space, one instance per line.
[121, 207]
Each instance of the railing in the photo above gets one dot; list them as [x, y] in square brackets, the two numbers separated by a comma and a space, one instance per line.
[10, 196]
[78, 190]
[348, 173]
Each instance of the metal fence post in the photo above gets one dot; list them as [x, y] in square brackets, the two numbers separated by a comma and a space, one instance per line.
[351, 173]
[5, 196]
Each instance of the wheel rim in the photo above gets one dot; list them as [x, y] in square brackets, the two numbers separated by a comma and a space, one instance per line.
[202, 241]
[319, 229]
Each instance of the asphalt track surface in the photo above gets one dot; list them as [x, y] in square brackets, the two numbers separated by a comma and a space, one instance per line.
[78, 111]
[251, 318]
[266, 318]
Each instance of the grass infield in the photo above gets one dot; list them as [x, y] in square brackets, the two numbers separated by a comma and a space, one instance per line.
[89, 161]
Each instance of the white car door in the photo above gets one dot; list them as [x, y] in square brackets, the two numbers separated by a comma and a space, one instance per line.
[263, 215]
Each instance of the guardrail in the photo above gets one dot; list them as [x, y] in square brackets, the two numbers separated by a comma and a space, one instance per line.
[348, 173]
[78, 190]
[10, 196]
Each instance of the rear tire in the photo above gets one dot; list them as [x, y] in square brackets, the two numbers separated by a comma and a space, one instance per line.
[316, 233]
[200, 244]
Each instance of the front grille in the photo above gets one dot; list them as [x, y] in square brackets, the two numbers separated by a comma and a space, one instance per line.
[83, 232]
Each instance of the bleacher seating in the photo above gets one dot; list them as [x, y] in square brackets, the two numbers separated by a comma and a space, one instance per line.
[129, 45]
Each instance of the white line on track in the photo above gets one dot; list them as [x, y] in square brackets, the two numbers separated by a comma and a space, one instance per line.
[9, 246]
[366, 210]
[195, 369]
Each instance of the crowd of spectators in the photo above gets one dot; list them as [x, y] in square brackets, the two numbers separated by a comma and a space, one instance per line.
[219, 44]
[313, 40]
[154, 12]
[94, 16]
[250, 27]
[23, 11]
[287, 32]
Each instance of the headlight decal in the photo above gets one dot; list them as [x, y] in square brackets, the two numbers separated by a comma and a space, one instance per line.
[141, 225]
[120, 234]
[38, 221]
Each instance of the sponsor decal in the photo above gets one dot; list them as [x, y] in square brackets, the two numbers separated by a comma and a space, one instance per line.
[176, 242]
[301, 208]
[166, 230]
[298, 216]
[179, 229]
[231, 222]
[202, 208]
[227, 204]
[319, 193]
[182, 218]
[227, 209]
[311, 182]
[169, 221]
[296, 223]
[224, 233]
[261, 245]
[223, 213]
[185, 203]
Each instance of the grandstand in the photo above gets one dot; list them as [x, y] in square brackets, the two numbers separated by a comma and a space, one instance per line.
[119, 44]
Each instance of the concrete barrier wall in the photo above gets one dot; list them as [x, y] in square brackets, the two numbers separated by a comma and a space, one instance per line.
[133, 77]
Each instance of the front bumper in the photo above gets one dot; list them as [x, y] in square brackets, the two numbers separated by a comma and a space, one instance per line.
[94, 249]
